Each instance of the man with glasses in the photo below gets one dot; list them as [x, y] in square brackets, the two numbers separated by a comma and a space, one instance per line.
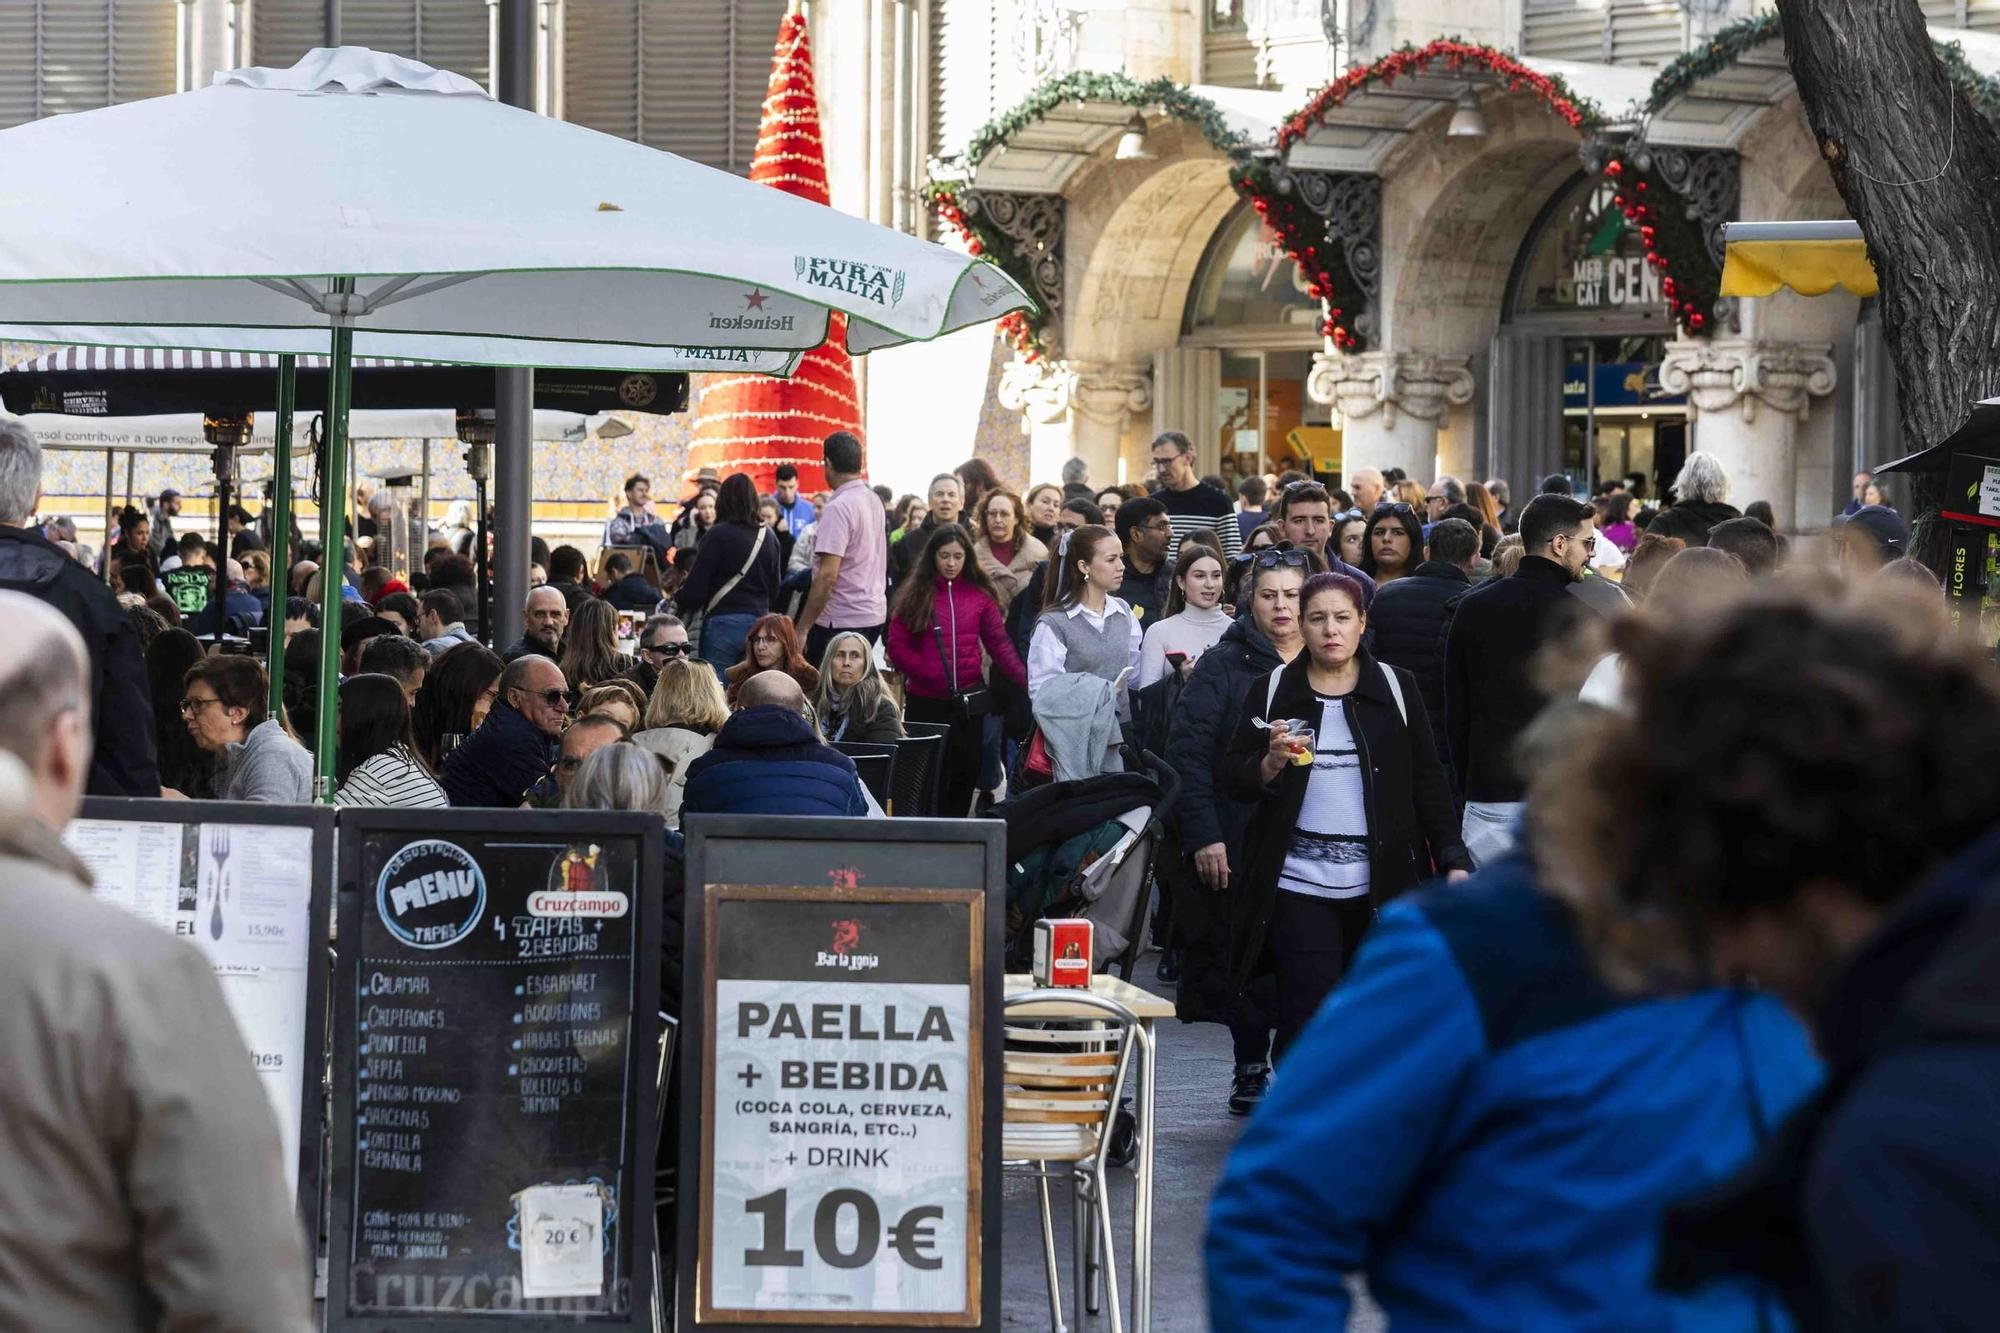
[585, 737]
[1190, 505]
[1489, 690]
[1146, 533]
[1442, 495]
[662, 639]
[498, 763]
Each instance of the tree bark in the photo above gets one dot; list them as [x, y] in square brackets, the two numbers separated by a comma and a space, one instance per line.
[1916, 164]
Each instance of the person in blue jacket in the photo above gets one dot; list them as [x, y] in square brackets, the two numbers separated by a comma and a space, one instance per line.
[1480, 1125]
[768, 759]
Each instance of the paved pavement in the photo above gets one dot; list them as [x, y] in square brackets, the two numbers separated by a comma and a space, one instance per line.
[1195, 1135]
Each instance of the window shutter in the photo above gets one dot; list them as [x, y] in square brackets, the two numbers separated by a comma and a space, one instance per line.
[1982, 15]
[17, 71]
[77, 55]
[601, 66]
[1943, 13]
[1563, 30]
[684, 76]
[447, 34]
[961, 63]
[283, 30]
[1646, 33]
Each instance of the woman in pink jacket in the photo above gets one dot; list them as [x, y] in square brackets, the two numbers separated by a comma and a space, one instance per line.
[944, 611]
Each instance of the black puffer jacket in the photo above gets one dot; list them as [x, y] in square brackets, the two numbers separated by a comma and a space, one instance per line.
[1204, 719]
[1410, 617]
[121, 712]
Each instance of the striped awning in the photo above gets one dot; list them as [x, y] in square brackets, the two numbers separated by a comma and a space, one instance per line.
[172, 358]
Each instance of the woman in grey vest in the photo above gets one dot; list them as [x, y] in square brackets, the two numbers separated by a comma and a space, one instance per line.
[1086, 635]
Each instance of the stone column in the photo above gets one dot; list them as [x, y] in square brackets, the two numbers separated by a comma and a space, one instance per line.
[1076, 409]
[1392, 404]
[1749, 398]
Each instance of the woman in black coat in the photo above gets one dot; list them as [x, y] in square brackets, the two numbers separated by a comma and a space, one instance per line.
[1209, 825]
[1342, 824]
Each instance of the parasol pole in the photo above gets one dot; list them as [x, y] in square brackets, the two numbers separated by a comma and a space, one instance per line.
[281, 527]
[333, 493]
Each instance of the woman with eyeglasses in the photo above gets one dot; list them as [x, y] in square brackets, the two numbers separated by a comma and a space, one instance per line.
[944, 613]
[1209, 824]
[1352, 804]
[377, 763]
[1394, 543]
[854, 702]
[772, 645]
[1008, 552]
[682, 717]
[226, 704]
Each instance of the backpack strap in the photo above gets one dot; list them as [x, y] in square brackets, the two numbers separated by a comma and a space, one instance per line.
[1395, 691]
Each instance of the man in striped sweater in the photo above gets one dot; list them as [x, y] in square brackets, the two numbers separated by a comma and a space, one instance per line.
[1191, 506]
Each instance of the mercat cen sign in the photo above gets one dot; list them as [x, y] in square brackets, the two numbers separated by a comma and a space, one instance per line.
[870, 282]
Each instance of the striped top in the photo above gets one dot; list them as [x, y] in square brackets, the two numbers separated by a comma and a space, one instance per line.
[391, 778]
[1328, 857]
[1201, 507]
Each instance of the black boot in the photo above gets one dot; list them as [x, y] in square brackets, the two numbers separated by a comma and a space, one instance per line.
[1247, 1089]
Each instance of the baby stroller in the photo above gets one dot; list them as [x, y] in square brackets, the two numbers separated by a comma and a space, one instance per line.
[1085, 849]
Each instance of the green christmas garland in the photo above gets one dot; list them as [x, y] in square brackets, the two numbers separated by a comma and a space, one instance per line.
[1028, 332]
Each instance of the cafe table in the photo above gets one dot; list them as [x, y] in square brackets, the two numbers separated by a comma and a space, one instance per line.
[1147, 1008]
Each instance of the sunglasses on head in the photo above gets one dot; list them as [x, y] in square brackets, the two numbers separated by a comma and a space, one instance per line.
[1346, 514]
[1396, 507]
[1273, 556]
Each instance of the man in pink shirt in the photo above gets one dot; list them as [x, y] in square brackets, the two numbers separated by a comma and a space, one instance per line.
[850, 556]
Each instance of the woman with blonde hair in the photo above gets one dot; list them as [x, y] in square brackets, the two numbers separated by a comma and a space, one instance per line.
[682, 717]
[618, 699]
[853, 701]
[590, 653]
[1411, 493]
[1006, 549]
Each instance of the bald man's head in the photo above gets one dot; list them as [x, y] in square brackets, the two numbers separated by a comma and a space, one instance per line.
[544, 617]
[772, 687]
[45, 704]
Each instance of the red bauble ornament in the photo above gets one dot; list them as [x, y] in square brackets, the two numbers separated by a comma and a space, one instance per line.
[1614, 168]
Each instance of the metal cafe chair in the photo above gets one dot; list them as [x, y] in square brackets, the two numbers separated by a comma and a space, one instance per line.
[1062, 1080]
[914, 779]
[875, 763]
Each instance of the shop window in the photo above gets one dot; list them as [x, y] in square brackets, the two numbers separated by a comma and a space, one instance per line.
[447, 34]
[1587, 257]
[1245, 279]
[77, 55]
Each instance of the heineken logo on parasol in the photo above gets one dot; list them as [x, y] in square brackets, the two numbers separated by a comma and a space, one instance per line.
[871, 282]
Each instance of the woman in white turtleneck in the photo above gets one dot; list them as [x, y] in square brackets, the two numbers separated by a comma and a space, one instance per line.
[1195, 618]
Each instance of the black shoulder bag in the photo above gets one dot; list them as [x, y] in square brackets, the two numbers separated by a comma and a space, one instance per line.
[965, 704]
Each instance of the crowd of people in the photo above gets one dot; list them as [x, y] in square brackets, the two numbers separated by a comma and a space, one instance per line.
[1489, 815]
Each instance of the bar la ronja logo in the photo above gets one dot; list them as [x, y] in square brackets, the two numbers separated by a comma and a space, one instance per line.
[578, 887]
[431, 894]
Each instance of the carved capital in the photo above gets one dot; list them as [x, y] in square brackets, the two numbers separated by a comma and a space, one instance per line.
[1049, 391]
[1424, 388]
[1747, 373]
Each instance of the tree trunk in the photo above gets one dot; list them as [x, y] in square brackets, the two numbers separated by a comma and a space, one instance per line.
[1917, 166]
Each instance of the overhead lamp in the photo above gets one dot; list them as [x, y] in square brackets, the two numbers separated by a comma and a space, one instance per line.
[1132, 143]
[476, 425]
[1467, 120]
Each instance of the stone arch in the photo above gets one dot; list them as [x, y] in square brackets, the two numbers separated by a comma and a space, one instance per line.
[1137, 232]
[1465, 207]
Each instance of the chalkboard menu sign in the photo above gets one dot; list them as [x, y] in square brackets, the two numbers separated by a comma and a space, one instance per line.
[839, 1037]
[495, 1028]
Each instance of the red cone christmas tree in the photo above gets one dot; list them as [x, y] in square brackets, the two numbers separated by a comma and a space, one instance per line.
[752, 423]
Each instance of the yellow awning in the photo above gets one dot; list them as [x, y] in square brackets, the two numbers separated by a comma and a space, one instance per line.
[1811, 258]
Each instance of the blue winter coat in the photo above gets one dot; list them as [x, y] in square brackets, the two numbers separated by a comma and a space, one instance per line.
[499, 761]
[1479, 1125]
[768, 761]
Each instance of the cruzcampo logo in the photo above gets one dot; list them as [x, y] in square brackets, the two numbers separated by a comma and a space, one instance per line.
[870, 282]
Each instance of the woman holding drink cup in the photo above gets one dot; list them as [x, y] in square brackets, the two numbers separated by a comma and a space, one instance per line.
[1352, 805]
